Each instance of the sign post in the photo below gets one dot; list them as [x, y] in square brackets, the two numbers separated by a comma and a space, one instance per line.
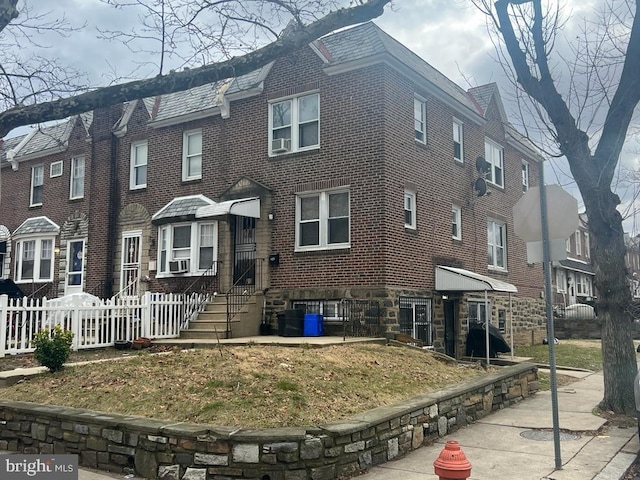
[533, 223]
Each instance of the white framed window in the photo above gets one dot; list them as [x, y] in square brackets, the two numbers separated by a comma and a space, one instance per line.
[525, 176]
[478, 312]
[578, 243]
[458, 142]
[55, 169]
[195, 243]
[568, 246]
[192, 155]
[410, 209]
[329, 309]
[583, 285]
[322, 220]
[496, 244]
[493, 155]
[138, 165]
[587, 247]
[77, 178]
[294, 124]
[561, 280]
[420, 119]
[37, 186]
[34, 260]
[456, 222]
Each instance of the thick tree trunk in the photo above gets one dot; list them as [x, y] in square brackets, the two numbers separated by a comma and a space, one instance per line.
[614, 298]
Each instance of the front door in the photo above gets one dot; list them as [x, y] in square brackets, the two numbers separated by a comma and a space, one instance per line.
[75, 267]
[130, 269]
[244, 265]
[449, 327]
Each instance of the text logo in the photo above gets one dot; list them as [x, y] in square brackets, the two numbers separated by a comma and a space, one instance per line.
[38, 467]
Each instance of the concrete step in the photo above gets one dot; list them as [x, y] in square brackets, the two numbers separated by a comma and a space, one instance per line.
[204, 334]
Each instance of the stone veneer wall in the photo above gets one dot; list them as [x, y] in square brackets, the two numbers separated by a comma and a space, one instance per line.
[171, 451]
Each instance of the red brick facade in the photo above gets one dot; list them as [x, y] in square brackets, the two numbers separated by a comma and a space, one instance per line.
[367, 146]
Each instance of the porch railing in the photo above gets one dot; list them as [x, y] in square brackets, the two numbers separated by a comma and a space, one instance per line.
[94, 326]
[246, 284]
[199, 292]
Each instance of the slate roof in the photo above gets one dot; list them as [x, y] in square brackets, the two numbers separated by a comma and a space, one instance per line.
[483, 95]
[368, 40]
[579, 266]
[48, 137]
[37, 225]
[181, 207]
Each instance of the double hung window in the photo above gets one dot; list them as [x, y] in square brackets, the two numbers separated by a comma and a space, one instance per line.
[410, 209]
[322, 220]
[192, 155]
[77, 178]
[458, 144]
[496, 244]
[456, 222]
[37, 185]
[34, 260]
[294, 124]
[420, 119]
[139, 160]
[493, 155]
[195, 244]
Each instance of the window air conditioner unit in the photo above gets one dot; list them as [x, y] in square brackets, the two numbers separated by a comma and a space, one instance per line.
[280, 145]
[179, 266]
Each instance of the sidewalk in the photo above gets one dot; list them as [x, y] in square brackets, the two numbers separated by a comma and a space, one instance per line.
[496, 448]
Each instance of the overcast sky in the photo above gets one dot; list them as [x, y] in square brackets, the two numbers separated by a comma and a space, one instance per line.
[449, 34]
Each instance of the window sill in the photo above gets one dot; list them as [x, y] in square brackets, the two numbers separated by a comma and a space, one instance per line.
[77, 199]
[323, 251]
[191, 180]
[137, 189]
[497, 270]
[456, 241]
[458, 162]
[37, 205]
[293, 154]
[410, 230]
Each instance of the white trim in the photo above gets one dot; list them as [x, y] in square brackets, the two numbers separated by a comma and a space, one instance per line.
[410, 195]
[460, 131]
[187, 156]
[74, 288]
[194, 247]
[37, 258]
[133, 167]
[421, 103]
[72, 178]
[55, 164]
[526, 176]
[294, 125]
[33, 186]
[503, 237]
[457, 210]
[488, 143]
[322, 219]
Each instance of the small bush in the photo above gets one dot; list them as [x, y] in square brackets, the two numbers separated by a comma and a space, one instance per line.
[53, 347]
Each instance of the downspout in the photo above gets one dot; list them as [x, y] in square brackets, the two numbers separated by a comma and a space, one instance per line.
[114, 203]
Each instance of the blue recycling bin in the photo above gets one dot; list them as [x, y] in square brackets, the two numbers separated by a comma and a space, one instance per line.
[312, 325]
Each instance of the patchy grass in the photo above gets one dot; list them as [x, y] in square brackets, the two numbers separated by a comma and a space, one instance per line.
[583, 354]
[252, 386]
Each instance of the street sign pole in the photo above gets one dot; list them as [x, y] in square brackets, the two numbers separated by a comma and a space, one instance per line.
[546, 263]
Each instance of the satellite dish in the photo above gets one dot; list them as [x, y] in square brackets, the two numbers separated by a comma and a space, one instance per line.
[482, 166]
[480, 187]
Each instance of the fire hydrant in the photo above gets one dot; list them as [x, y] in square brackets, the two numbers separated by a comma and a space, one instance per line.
[452, 464]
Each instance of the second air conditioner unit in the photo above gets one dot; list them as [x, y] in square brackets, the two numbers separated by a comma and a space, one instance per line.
[179, 266]
[280, 145]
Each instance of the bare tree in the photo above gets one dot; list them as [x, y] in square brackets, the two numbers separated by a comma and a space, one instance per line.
[586, 110]
[35, 110]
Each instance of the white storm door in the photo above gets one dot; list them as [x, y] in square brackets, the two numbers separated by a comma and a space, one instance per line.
[75, 267]
[130, 269]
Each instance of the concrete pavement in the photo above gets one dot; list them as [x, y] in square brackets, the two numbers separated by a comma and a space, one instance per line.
[517, 442]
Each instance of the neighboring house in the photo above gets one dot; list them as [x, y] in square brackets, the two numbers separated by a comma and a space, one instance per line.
[573, 278]
[632, 259]
[347, 174]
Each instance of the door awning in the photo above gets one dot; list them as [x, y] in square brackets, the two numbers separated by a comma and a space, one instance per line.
[452, 279]
[244, 207]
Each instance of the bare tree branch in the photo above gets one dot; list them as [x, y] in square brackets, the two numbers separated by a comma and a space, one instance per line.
[178, 81]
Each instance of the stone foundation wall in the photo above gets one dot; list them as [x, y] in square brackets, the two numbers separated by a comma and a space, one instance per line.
[182, 451]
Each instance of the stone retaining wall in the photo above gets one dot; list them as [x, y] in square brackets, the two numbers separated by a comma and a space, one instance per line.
[182, 451]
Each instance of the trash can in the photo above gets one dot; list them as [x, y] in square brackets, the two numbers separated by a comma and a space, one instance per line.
[313, 325]
[291, 322]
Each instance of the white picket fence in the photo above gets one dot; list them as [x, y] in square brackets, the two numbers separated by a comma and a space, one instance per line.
[154, 315]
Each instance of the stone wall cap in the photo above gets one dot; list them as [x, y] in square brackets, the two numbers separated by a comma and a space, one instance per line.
[279, 434]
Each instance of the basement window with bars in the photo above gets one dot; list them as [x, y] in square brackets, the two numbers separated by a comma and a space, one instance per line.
[329, 309]
[416, 319]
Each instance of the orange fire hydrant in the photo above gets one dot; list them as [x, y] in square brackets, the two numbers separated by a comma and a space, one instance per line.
[452, 464]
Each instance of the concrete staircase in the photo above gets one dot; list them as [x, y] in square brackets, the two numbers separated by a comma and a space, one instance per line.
[211, 323]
